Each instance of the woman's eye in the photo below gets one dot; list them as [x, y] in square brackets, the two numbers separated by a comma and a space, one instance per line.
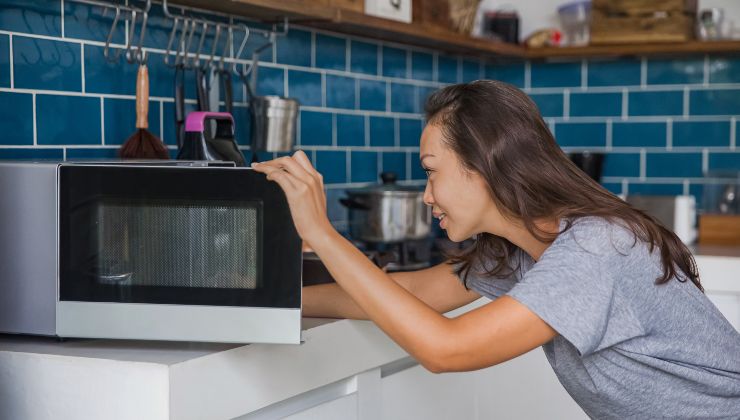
[427, 171]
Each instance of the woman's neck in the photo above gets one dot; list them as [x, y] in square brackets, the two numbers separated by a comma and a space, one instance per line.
[521, 237]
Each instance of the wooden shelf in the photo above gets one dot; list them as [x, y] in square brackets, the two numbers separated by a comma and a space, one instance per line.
[321, 14]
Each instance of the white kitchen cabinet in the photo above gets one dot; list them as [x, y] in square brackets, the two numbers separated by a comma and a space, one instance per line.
[416, 393]
[344, 408]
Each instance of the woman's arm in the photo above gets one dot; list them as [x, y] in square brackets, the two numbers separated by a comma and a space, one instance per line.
[491, 334]
[436, 286]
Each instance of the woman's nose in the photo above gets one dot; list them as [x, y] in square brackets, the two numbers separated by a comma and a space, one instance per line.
[428, 197]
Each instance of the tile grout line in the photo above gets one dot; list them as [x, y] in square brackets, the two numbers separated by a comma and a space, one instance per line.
[12, 65]
[82, 66]
[35, 125]
[643, 72]
[566, 104]
[704, 161]
[102, 120]
[387, 97]
[609, 134]
[625, 103]
[323, 89]
[669, 134]
[62, 17]
[285, 83]
[733, 133]
[685, 187]
[643, 164]
[357, 94]
[347, 56]
[367, 130]
[705, 78]
[625, 186]
[396, 132]
[161, 121]
[584, 74]
[348, 166]
[686, 102]
[379, 69]
[408, 165]
[527, 75]
[334, 130]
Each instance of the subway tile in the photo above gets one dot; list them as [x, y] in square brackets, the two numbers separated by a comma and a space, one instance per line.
[395, 162]
[158, 29]
[512, 73]
[595, 104]
[621, 164]
[372, 95]
[93, 23]
[340, 92]
[161, 77]
[638, 134]
[95, 153]
[102, 76]
[294, 48]
[28, 154]
[675, 71]
[613, 187]
[409, 131]
[724, 161]
[16, 118]
[305, 87]
[168, 115]
[555, 74]
[581, 134]
[647, 188]
[334, 209]
[46, 64]
[549, 104]
[316, 128]
[382, 131]
[424, 93]
[470, 70]
[242, 125]
[417, 172]
[673, 165]
[614, 73]
[422, 65]
[332, 165]
[701, 133]
[31, 16]
[394, 62]
[350, 130]
[363, 57]
[330, 52]
[447, 69]
[68, 120]
[714, 102]
[120, 119]
[270, 81]
[697, 190]
[724, 70]
[4, 61]
[403, 98]
[655, 103]
[364, 166]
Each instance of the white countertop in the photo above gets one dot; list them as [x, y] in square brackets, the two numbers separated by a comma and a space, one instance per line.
[206, 380]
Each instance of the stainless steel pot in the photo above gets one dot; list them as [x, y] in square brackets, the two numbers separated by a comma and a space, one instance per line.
[388, 213]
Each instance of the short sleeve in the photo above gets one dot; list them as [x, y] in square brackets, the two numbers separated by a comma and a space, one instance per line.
[491, 287]
[573, 290]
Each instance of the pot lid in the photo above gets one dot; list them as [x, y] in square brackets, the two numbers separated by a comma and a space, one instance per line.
[389, 186]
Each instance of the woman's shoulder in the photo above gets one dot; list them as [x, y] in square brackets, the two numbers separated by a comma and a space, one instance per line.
[597, 235]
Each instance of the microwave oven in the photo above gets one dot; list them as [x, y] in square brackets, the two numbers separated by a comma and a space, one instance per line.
[183, 251]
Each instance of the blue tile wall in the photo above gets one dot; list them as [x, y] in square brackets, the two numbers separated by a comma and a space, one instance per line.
[4, 61]
[363, 100]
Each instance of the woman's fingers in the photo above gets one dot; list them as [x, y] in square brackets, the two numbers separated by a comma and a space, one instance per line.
[277, 174]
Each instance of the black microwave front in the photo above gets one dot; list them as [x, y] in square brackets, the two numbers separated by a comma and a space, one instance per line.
[147, 251]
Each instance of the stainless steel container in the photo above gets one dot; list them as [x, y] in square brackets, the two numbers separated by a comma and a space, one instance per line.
[273, 123]
[388, 213]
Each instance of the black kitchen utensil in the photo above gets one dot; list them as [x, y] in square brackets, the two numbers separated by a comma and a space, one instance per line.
[590, 163]
[205, 144]
[180, 105]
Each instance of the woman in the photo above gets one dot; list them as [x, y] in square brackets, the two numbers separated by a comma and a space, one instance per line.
[613, 297]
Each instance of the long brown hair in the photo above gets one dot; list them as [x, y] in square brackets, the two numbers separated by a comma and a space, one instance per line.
[497, 131]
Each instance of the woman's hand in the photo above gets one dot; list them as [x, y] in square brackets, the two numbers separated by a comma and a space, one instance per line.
[304, 189]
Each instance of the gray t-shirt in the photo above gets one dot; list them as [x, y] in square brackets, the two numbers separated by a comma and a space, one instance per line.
[627, 348]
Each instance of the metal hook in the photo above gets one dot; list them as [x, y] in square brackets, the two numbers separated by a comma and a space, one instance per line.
[140, 53]
[170, 41]
[241, 48]
[201, 42]
[215, 44]
[129, 56]
[106, 50]
[228, 46]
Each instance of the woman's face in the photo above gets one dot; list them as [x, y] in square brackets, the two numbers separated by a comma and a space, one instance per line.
[458, 197]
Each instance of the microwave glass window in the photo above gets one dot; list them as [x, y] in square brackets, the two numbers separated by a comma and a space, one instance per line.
[193, 244]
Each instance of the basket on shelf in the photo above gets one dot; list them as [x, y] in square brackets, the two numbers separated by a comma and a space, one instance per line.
[462, 15]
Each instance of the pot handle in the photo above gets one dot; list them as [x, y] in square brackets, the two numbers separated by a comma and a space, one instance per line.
[351, 203]
[388, 177]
